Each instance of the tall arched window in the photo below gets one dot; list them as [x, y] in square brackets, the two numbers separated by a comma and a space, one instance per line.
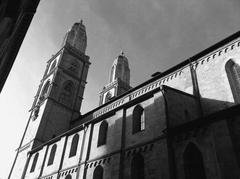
[98, 172]
[44, 92]
[138, 121]
[74, 145]
[67, 92]
[137, 167]
[102, 135]
[52, 154]
[193, 163]
[112, 73]
[34, 162]
[68, 176]
[53, 65]
[233, 74]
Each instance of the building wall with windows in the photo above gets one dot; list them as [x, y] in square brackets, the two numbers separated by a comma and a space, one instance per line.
[180, 124]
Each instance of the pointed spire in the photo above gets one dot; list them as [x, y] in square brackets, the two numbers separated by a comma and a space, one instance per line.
[122, 53]
[76, 36]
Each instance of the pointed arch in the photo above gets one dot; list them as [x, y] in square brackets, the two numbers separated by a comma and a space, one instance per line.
[98, 172]
[52, 154]
[34, 162]
[102, 135]
[138, 121]
[68, 176]
[137, 167]
[44, 92]
[74, 145]
[193, 163]
[53, 65]
[233, 74]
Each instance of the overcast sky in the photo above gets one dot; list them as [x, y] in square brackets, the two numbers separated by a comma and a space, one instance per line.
[154, 34]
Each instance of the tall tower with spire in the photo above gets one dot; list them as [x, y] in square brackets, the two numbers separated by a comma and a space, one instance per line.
[119, 79]
[59, 96]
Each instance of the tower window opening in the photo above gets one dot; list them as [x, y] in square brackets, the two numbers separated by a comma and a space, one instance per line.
[138, 121]
[108, 97]
[112, 76]
[53, 65]
[102, 135]
[44, 93]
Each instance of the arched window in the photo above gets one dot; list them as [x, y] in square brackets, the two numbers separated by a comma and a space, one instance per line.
[108, 97]
[112, 73]
[98, 172]
[52, 154]
[102, 135]
[74, 145]
[44, 91]
[34, 162]
[67, 92]
[68, 176]
[193, 163]
[53, 65]
[233, 74]
[137, 167]
[138, 122]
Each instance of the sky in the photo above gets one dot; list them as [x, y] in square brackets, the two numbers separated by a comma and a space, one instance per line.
[154, 34]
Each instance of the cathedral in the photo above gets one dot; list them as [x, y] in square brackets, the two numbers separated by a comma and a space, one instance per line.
[183, 123]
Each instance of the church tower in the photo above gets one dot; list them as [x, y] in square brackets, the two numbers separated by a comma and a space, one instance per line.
[59, 96]
[119, 80]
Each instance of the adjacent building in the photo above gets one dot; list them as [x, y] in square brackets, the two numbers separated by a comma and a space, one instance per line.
[15, 18]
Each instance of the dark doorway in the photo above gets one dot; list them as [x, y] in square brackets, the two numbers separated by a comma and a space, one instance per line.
[193, 163]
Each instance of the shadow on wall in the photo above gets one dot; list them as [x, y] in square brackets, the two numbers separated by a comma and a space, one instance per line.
[213, 139]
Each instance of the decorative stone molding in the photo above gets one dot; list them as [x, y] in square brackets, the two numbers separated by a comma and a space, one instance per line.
[98, 162]
[69, 171]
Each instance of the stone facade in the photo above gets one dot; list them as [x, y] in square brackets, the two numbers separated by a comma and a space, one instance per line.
[182, 123]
